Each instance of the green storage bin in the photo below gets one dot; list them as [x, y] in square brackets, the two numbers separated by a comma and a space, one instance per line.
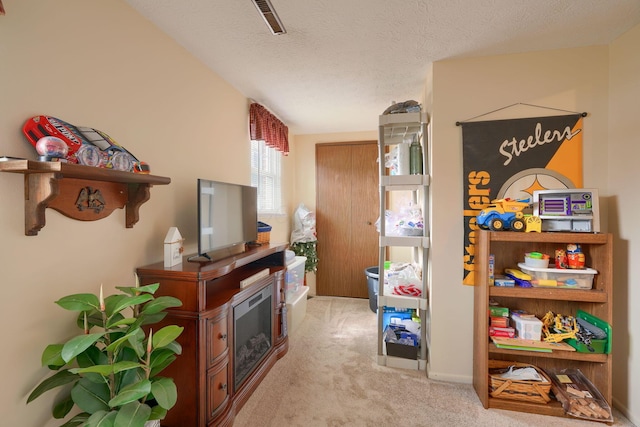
[598, 346]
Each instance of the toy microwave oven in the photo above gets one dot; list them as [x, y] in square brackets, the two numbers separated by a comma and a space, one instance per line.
[568, 209]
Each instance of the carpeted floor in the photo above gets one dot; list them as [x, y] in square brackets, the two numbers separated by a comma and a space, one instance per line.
[330, 377]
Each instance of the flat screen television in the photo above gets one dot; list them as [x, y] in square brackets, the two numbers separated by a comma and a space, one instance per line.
[227, 218]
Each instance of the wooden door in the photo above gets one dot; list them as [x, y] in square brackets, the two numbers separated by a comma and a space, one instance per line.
[347, 208]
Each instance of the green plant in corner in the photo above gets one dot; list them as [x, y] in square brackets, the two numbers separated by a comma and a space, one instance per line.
[307, 249]
[111, 369]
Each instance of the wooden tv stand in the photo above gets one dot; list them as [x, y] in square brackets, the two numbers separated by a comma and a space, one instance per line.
[204, 372]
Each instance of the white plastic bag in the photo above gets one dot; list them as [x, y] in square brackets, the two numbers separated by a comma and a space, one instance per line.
[408, 221]
[304, 225]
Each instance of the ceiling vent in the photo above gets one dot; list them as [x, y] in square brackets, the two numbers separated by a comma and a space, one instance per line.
[270, 16]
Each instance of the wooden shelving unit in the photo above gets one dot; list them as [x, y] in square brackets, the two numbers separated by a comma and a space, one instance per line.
[508, 248]
[83, 193]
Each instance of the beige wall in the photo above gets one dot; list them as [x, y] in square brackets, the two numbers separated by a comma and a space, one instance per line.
[623, 153]
[102, 65]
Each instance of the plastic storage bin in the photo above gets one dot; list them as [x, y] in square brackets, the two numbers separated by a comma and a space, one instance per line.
[559, 277]
[529, 328]
[296, 308]
[294, 276]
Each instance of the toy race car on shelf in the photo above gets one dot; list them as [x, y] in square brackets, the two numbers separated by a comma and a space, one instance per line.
[503, 214]
[86, 146]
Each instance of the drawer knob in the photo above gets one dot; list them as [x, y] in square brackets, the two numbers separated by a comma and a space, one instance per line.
[223, 386]
[223, 337]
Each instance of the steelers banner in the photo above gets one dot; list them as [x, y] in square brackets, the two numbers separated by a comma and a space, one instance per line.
[513, 158]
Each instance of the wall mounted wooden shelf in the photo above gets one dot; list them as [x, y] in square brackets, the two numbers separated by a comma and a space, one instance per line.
[83, 193]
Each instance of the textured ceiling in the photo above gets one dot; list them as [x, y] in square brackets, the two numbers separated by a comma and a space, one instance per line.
[343, 62]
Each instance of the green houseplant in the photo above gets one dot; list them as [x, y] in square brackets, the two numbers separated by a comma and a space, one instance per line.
[110, 370]
[307, 249]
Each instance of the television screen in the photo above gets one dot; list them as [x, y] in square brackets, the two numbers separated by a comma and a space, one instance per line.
[227, 215]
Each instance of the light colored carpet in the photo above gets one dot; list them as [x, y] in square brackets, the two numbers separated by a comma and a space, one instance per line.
[330, 377]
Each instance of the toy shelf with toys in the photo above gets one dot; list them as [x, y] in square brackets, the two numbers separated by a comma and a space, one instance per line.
[543, 308]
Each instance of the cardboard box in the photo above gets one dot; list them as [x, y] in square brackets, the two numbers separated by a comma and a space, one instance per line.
[495, 311]
[504, 281]
[507, 332]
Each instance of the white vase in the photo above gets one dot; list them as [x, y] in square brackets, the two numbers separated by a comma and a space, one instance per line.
[152, 423]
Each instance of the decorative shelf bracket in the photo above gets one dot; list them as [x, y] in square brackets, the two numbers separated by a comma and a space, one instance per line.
[138, 194]
[39, 190]
[79, 192]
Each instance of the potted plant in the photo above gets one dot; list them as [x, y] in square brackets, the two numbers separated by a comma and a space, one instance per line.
[111, 369]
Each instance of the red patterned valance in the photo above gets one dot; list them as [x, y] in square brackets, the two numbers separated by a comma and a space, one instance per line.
[266, 127]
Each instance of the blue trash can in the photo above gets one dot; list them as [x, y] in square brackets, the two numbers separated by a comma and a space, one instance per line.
[373, 284]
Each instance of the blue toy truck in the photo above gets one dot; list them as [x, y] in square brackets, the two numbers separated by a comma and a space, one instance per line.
[503, 214]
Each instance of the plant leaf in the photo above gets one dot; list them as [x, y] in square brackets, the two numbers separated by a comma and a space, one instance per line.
[103, 370]
[159, 366]
[174, 347]
[77, 345]
[131, 393]
[120, 322]
[127, 302]
[166, 335]
[136, 341]
[79, 302]
[101, 419]
[115, 345]
[94, 318]
[150, 319]
[131, 376]
[134, 414]
[159, 356]
[91, 397]
[161, 303]
[51, 357]
[78, 420]
[165, 392]
[157, 413]
[92, 356]
[132, 290]
[56, 380]
[106, 370]
[125, 366]
[63, 407]
[112, 301]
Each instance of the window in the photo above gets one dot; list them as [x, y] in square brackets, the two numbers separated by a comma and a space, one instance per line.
[266, 174]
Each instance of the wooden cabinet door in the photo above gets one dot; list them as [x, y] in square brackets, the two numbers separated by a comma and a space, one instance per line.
[347, 208]
[217, 337]
[217, 390]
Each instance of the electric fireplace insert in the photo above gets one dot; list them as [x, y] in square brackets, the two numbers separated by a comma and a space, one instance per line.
[252, 331]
